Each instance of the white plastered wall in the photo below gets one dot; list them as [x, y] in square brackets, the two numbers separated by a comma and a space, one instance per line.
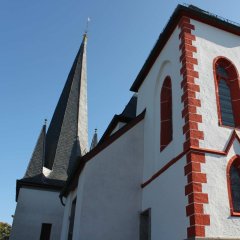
[28, 219]
[211, 43]
[109, 191]
[167, 64]
[68, 206]
[164, 195]
[222, 223]
[166, 198]
[67, 213]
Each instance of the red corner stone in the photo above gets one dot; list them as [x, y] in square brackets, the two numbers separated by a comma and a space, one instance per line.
[198, 198]
[200, 219]
[194, 208]
[197, 177]
[192, 167]
[196, 231]
[196, 157]
[189, 126]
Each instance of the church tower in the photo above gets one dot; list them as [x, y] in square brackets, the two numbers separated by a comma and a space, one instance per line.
[39, 212]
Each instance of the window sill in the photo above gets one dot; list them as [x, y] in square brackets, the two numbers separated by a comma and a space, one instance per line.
[235, 214]
[226, 126]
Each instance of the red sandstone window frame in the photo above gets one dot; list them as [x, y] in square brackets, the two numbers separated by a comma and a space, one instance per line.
[231, 161]
[234, 87]
[166, 123]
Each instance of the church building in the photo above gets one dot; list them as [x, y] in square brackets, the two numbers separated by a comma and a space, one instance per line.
[167, 167]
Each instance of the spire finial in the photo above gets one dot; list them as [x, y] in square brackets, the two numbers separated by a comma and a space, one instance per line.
[95, 130]
[45, 121]
[87, 25]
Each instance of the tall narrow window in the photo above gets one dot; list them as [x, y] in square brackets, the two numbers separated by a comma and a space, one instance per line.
[228, 93]
[234, 185]
[166, 113]
[46, 231]
[225, 103]
[145, 225]
[71, 220]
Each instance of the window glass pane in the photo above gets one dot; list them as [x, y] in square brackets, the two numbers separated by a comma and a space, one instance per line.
[145, 225]
[166, 114]
[235, 187]
[71, 223]
[222, 72]
[225, 104]
[45, 231]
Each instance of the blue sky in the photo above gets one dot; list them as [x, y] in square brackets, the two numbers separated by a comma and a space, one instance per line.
[38, 43]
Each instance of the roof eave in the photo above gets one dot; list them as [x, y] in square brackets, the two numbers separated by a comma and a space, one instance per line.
[21, 183]
[116, 119]
[179, 12]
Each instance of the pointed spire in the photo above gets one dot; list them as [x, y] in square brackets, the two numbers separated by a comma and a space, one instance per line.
[94, 140]
[70, 119]
[36, 163]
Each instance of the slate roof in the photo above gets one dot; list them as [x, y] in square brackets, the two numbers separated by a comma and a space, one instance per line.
[54, 129]
[128, 113]
[36, 162]
[67, 137]
[65, 125]
[131, 108]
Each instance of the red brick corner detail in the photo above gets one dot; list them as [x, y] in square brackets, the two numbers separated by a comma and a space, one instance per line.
[198, 219]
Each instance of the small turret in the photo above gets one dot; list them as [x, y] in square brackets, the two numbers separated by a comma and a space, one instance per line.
[94, 140]
[35, 166]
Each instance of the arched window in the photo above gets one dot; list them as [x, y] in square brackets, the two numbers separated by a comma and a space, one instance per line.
[166, 113]
[233, 175]
[228, 92]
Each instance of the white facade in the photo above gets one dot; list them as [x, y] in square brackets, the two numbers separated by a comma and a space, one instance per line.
[165, 196]
[28, 216]
[222, 223]
[167, 64]
[109, 192]
[211, 43]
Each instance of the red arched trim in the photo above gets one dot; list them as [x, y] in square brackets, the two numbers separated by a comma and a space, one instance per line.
[234, 86]
[231, 161]
[166, 113]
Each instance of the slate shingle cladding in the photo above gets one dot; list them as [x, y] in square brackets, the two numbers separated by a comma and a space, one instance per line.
[62, 144]
[131, 108]
[36, 163]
